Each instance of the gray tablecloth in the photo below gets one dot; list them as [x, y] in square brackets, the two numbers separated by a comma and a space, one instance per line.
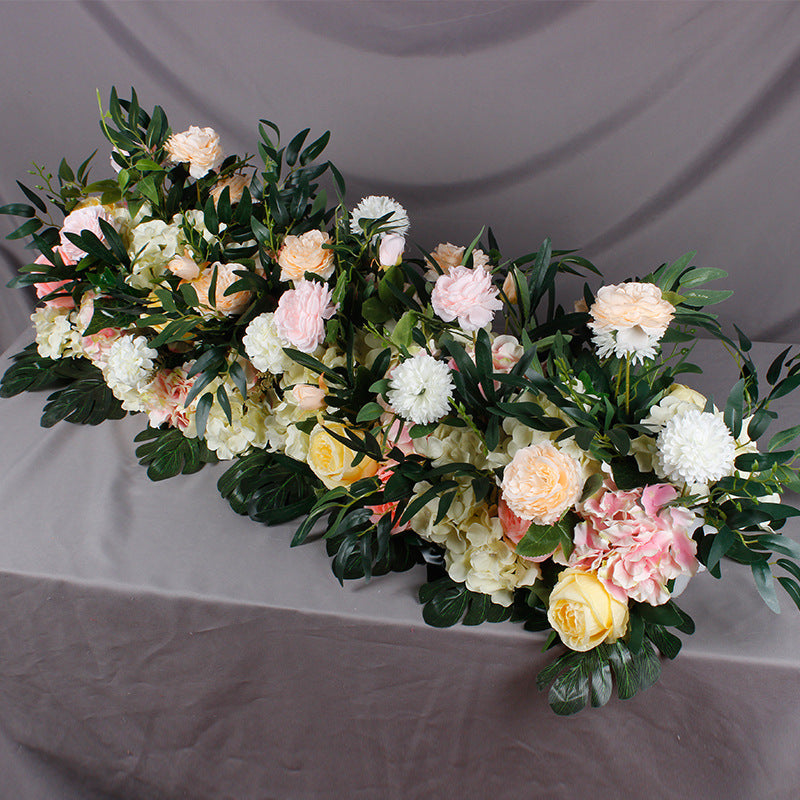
[154, 646]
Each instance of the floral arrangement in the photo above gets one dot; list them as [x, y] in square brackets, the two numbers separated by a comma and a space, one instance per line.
[545, 465]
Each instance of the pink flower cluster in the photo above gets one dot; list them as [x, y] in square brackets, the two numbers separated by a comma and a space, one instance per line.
[168, 395]
[635, 542]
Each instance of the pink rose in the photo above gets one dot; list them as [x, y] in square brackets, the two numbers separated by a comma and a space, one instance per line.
[466, 295]
[301, 314]
[390, 252]
[47, 287]
[81, 219]
[506, 351]
[381, 509]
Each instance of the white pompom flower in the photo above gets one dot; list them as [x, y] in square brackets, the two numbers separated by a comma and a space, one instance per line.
[695, 447]
[420, 389]
[130, 363]
[375, 207]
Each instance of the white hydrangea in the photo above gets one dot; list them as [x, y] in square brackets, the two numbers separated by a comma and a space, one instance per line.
[247, 429]
[475, 551]
[695, 447]
[420, 389]
[55, 335]
[154, 243]
[264, 347]
[488, 565]
[375, 207]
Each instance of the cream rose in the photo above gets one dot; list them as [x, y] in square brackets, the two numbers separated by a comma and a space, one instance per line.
[583, 613]
[631, 305]
[305, 253]
[332, 461]
[197, 147]
[234, 183]
[541, 483]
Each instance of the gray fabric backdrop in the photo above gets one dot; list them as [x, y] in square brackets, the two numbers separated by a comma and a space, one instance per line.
[634, 130]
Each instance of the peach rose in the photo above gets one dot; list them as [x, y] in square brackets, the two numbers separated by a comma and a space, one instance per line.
[308, 397]
[184, 266]
[332, 461]
[228, 305]
[235, 184]
[510, 288]
[630, 305]
[305, 253]
[541, 483]
[446, 256]
[583, 613]
[197, 147]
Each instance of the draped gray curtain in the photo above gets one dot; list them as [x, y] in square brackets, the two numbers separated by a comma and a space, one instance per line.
[636, 131]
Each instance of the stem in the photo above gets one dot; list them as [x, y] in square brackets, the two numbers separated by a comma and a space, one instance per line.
[627, 384]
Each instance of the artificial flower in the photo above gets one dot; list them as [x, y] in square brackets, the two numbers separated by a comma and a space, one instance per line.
[420, 389]
[466, 295]
[198, 147]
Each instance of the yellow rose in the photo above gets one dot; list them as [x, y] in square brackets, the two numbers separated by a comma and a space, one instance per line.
[332, 461]
[305, 253]
[583, 613]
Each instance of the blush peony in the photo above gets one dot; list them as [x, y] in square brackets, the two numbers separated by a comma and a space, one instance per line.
[466, 295]
[301, 314]
[198, 147]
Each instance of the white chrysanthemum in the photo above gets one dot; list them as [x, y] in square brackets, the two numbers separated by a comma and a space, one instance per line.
[130, 363]
[636, 343]
[695, 447]
[264, 347]
[420, 389]
[377, 206]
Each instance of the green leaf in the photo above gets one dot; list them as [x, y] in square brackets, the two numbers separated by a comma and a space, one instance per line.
[762, 574]
[369, 412]
[721, 544]
[202, 411]
[792, 589]
[446, 605]
[784, 437]
[293, 148]
[667, 278]
[26, 229]
[270, 488]
[625, 670]
[17, 210]
[87, 401]
[734, 408]
[168, 452]
[541, 540]
[570, 690]
[592, 486]
[774, 370]
[758, 462]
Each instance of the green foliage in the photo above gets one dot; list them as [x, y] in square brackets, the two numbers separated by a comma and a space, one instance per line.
[167, 453]
[270, 488]
[85, 401]
[31, 372]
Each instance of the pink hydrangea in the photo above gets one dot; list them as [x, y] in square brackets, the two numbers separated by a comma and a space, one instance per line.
[635, 542]
[466, 295]
[301, 314]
